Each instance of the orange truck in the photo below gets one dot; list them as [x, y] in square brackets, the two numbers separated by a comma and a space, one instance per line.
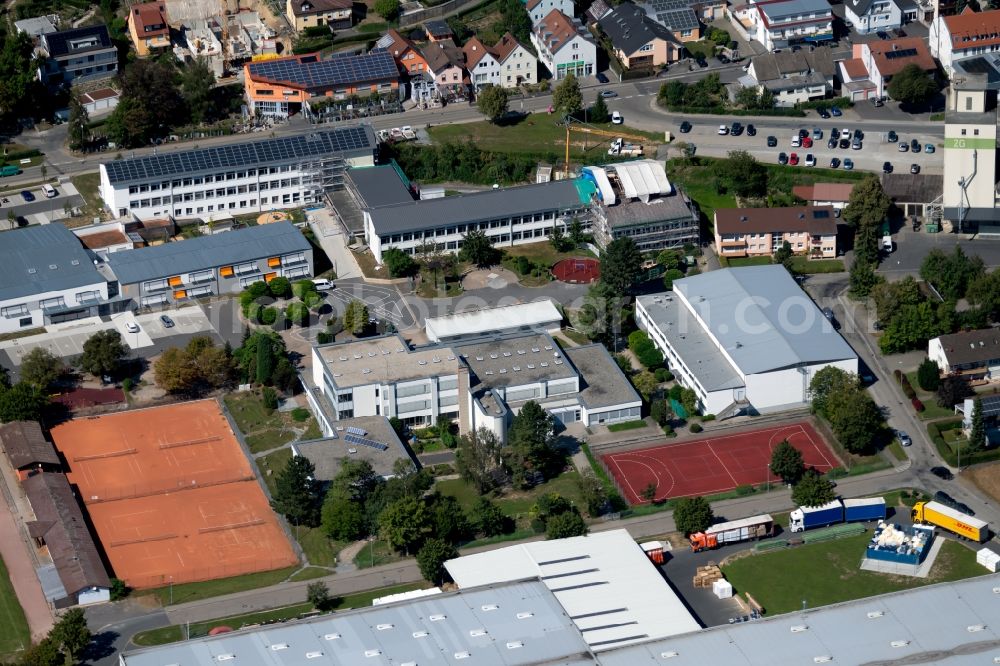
[744, 529]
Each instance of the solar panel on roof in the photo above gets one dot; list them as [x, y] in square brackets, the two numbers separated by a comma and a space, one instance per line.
[900, 53]
[356, 431]
[357, 439]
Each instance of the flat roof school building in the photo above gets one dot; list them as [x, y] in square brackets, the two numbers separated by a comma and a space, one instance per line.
[237, 178]
[744, 339]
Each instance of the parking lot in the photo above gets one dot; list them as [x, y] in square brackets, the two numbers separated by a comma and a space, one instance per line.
[66, 340]
[41, 209]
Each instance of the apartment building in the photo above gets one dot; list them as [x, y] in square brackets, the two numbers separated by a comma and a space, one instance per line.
[867, 16]
[78, 55]
[639, 42]
[480, 381]
[223, 263]
[337, 14]
[47, 277]
[779, 24]
[760, 232]
[518, 65]
[964, 35]
[445, 63]
[539, 9]
[564, 46]
[148, 27]
[279, 87]
[873, 64]
[247, 177]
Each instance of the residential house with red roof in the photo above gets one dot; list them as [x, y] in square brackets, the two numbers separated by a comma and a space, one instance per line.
[825, 194]
[408, 57]
[873, 64]
[964, 35]
[564, 46]
[508, 63]
[148, 28]
[482, 65]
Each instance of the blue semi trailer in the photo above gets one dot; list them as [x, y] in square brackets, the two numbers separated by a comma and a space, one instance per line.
[851, 510]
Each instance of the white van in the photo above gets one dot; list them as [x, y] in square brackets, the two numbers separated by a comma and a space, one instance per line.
[887, 244]
[50, 191]
[322, 285]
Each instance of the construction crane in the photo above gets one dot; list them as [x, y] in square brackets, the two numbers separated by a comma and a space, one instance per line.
[225, 35]
[573, 125]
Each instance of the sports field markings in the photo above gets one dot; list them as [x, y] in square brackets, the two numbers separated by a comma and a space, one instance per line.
[724, 466]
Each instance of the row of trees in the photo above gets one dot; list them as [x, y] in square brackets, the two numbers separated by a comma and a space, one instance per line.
[866, 210]
[838, 397]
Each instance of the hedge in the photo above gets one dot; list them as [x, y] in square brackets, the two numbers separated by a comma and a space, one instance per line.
[950, 456]
[917, 405]
[725, 111]
[840, 102]
[15, 155]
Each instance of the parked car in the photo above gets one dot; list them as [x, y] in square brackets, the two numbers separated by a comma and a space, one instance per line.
[807, 142]
[793, 159]
[835, 112]
[828, 313]
[782, 158]
[834, 163]
[858, 134]
[810, 160]
[892, 137]
[848, 164]
[322, 284]
[886, 167]
[751, 130]
[723, 59]
[845, 144]
[27, 196]
[817, 134]
[723, 130]
[929, 148]
[616, 118]
[878, 101]
[772, 142]
[823, 113]
[736, 129]
[601, 78]
[904, 147]
[942, 473]
[166, 321]
[685, 127]
[941, 497]
[832, 143]
[606, 94]
[914, 168]
[132, 327]
[904, 439]
[915, 146]
[803, 133]
[845, 133]
[796, 141]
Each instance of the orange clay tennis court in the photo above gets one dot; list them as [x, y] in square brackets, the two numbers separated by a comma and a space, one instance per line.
[171, 495]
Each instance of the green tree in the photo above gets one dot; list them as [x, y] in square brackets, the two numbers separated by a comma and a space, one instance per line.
[765, 99]
[855, 418]
[593, 493]
[786, 462]
[575, 231]
[868, 203]
[565, 525]
[646, 384]
[297, 493]
[103, 352]
[693, 514]
[813, 489]
[356, 317]
[297, 312]
[911, 85]
[599, 111]
[928, 375]
[479, 460]
[398, 262]
[44, 653]
[488, 519]
[951, 391]
[265, 361]
[743, 174]
[343, 518]
[621, 265]
[983, 291]
[567, 98]
[280, 287]
[17, 75]
[783, 253]
[431, 558]
[890, 297]
[689, 400]
[556, 238]
[197, 82]
[72, 634]
[318, 594]
[492, 102]
[302, 289]
[911, 328]
[406, 524]
[530, 443]
[41, 368]
[951, 274]
[977, 434]
[747, 97]
[175, 371]
[478, 248]
[21, 402]
[150, 103]
[387, 9]
[669, 276]
[862, 278]
[827, 382]
[119, 589]
[78, 124]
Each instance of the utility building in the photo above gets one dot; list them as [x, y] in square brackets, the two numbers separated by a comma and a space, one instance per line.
[970, 146]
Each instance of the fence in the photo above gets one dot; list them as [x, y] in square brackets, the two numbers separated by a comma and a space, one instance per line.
[214, 572]
[835, 532]
[152, 487]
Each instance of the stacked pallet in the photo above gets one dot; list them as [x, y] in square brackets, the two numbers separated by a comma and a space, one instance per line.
[706, 575]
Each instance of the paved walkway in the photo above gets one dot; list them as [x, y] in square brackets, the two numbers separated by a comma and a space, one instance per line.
[333, 241]
[21, 570]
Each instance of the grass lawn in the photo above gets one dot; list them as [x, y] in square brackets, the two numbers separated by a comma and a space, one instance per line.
[806, 266]
[312, 431]
[249, 412]
[576, 336]
[702, 47]
[174, 633]
[14, 634]
[88, 185]
[185, 592]
[627, 425]
[932, 410]
[543, 252]
[366, 262]
[265, 440]
[375, 553]
[317, 546]
[536, 134]
[737, 262]
[309, 573]
[827, 573]
[516, 503]
[896, 449]
[275, 462]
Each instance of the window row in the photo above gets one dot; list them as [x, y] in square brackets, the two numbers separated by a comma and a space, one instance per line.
[216, 178]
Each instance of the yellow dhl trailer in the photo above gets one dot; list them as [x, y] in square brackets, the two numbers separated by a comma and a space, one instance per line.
[950, 519]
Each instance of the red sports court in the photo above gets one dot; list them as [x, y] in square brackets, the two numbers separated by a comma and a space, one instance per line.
[712, 465]
[577, 271]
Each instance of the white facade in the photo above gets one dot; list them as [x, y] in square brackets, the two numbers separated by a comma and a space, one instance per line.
[519, 67]
[976, 34]
[878, 15]
[970, 145]
[574, 52]
[534, 316]
[486, 72]
[778, 25]
[540, 9]
[39, 309]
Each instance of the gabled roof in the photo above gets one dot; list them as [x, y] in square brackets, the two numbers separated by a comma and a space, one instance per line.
[557, 30]
[855, 68]
[443, 54]
[971, 346]
[861, 7]
[629, 29]
[26, 446]
[507, 45]
[891, 56]
[597, 10]
[149, 14]
[77, 41]
[774, 66]
[474, 51]
[59, 521]
[395, 44]
[824, 191]
[820, 59]
[303, 7]
[438, 29]
[972, 29]
[814, 219]
[308, 72]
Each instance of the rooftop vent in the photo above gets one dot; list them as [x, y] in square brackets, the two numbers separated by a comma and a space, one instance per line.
[279, 646]
[371, 353]
[743, 218]
[31, 271]
[799, 628]
[670, 654]
[343, 358]
[506, 354]
[75, 262]
[521, 352]
[463, 655]
[420, 634]
[489, 373]
[899, 644]
[479, 358]
[875, 614]
[535, 350]
[52, 267]
[544, 364]
[316, 654]
[373, 653]
[228, 656]
[383, 627]
[436, 359]
[494, 355]
[490, 607]
[476, 633]
[548, 347]
[438, 617]
[525, 616]
[513, 645]
[531, 366]
[422, 362]
[503, 371]
[975, 628]
[517, 368]
[822, 659]
[357, 356]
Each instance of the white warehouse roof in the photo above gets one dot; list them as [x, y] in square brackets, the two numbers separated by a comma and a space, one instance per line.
[641, 179]
[604, 582]
[521, 316]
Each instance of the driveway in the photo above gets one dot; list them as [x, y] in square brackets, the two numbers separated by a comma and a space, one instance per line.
[912, 246]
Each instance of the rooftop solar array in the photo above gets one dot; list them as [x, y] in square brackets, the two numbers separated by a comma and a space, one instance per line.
[249, 154]
[339, 70]
[351, 438]
[356, 431]
[900, 53]
[674, 14]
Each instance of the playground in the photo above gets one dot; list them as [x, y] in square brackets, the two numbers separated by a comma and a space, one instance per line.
[577, 270]
[172, 496]
[714, 464]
